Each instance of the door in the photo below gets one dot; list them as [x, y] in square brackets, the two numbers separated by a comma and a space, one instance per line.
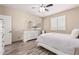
[7, 23]
[1, 37]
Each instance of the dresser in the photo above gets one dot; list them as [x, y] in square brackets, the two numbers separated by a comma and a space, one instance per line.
[29, 35]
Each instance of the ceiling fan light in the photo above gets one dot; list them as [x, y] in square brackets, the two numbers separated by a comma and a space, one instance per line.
[42, 9]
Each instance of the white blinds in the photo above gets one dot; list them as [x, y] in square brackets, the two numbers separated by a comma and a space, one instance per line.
[58, 23]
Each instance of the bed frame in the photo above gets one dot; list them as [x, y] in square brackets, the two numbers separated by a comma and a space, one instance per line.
[51, 49]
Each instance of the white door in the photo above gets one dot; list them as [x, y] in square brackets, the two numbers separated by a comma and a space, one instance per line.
[1, 39]
[7, 23]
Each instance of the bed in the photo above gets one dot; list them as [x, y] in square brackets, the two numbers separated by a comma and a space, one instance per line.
[61, 44]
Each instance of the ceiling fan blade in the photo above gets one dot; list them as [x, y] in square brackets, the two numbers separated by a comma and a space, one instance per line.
[33, 7]
[49, 5]
[46, 10]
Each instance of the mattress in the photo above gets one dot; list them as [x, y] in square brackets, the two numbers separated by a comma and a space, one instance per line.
[63, 42]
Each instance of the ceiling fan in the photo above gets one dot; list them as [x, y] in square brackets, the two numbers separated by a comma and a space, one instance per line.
[43, 7]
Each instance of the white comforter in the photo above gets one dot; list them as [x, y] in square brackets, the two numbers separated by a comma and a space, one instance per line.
[63, 42]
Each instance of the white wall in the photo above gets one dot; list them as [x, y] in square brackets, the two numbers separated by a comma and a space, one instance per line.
[19, 21]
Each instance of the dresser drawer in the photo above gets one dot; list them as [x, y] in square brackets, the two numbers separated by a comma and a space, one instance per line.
[28, 35]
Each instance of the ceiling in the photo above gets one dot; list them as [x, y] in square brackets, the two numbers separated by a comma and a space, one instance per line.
[52, 10]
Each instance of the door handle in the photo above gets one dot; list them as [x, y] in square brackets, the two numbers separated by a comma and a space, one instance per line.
[10, 31]
[3, 41]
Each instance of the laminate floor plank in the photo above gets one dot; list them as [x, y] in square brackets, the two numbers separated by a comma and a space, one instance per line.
[26, 48]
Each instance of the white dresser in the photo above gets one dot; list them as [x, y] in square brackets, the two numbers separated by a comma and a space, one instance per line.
[29, 35]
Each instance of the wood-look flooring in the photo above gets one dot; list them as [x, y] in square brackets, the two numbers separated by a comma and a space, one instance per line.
[27, 48]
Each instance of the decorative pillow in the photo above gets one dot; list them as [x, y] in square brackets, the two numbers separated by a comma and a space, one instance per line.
[75, 33]
[78, 36]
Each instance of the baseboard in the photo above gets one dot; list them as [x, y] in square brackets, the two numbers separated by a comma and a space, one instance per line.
[17, 41]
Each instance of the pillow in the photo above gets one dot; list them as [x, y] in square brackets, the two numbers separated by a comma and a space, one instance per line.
[78, 36]
[75, 33]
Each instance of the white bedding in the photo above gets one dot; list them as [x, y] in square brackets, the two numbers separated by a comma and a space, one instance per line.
[63, 42]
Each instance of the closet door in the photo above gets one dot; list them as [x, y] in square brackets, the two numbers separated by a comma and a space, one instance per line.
[1, 38]
[7, 23]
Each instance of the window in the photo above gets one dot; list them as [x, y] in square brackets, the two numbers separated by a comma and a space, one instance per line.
[58, 23]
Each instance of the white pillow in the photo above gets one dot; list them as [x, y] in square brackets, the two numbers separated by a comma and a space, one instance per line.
[75, 33]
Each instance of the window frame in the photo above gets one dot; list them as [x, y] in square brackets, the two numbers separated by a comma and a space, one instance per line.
[57, 18]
